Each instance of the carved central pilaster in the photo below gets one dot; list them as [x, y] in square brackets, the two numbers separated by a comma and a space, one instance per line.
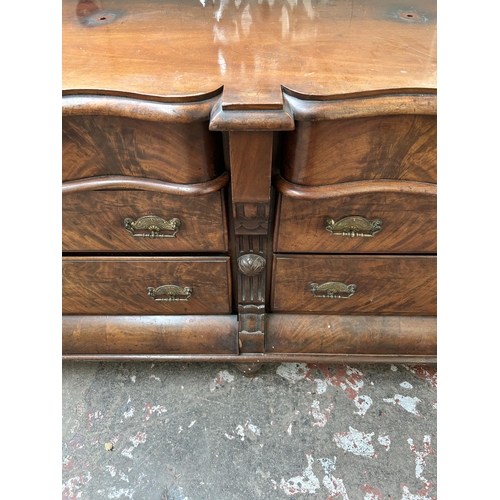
[251, 165]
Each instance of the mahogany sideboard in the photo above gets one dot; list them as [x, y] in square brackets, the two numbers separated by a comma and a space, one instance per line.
[249, 180]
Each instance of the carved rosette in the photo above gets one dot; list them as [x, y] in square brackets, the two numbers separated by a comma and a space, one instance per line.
[251, 264]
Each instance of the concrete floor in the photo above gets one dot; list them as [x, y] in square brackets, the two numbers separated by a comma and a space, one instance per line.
[195, 431]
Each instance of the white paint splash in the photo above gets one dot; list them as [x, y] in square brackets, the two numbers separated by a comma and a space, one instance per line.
[406, 385]
[133, 377]
[363, 403]
[249, 431]
[223, 376]
[321, 386]
[74, 483]
[112, 470]
[129, 413]
[347, 378]
[335, 486]
[321, 417]
[136, 440]
[123, 476]
[289, 429]
[307, 482]
[122, 492]
[385, 441]
[356, 442]
[407, 402]
[191, 424]
[154, 377]
[151, 409]
[420, 456]
[92, 416]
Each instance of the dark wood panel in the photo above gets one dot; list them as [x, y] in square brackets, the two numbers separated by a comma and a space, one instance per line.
[119, 285]
[183, 153]
[126, 335]
[250, 159]
[337, 334]
[385, 285]
[408, 223]
[93, 221]
[380, 147]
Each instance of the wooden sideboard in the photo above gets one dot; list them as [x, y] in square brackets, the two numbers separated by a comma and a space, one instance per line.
[249, 181]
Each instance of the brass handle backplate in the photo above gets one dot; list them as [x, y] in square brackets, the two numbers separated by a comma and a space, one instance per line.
[332, 290]
[353, 227]
[170, 293]
[152, 226]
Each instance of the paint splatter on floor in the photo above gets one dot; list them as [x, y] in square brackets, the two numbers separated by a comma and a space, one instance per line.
[207, 432]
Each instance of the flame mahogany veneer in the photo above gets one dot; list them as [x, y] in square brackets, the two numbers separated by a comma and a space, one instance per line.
[249, 181]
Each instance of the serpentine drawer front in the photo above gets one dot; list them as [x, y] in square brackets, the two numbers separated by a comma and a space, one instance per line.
[115, 145]
[146, 285]
[251, 183]
[361, 149]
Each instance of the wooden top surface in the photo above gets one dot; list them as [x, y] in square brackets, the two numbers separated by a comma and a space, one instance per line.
[181, 50]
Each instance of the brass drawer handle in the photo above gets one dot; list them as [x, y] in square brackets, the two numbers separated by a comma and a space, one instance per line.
[151, 226]
[170, 293]
[354, 227]
[332, 290]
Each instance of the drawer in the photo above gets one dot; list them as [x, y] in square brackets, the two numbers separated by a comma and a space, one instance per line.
[383, 285]
[401, 147]
[143, 221]
[184, 153]
[370, 221]
[146, 285]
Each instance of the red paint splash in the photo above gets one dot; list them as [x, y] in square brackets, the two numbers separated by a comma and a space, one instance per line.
[375, 493]
[425, 372]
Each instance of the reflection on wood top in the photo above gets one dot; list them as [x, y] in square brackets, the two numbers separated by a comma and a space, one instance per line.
[181, 50]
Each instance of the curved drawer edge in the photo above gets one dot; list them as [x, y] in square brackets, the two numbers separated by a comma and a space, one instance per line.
[362, 104]
[143, 107]
[144, 184]
[329, 191]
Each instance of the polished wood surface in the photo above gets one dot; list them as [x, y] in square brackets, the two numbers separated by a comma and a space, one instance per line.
[177, 49]
[381, 147]
[128, 335]
[385, 285]
[119, 285]
[409, 221]
[112, 145]
[337, 334]
[94, 221]
[107, 182]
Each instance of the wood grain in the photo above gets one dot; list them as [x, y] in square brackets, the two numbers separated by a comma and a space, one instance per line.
[112, 145]
[409, 222]
[385, 285]
[129, 335]
[337, 334]
[140, 107]
[93, 221]
[118, 285]
[381, 147]
[182, 48]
